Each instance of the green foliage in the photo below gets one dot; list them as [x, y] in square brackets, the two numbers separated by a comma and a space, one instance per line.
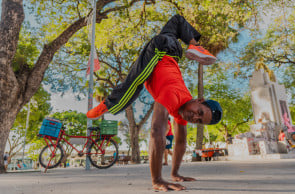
[35, 148]
[219, 22]
[26, 52]
[191, 137]
[237, 112]
[39, 108]
[275, 45]
[117, 139]
[236, 105]
[75, 123]
[292, 111]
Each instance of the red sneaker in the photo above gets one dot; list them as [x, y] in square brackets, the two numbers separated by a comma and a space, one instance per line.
[97, 112]
[200, 54]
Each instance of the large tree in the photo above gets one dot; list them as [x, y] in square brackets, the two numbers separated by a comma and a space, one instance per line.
[17, 87]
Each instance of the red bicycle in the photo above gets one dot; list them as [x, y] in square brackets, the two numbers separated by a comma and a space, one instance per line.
[102, 152]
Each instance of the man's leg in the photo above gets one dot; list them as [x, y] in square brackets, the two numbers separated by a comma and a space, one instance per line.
[126, 92]
[179, 150]
[156, 148]
[178, 27]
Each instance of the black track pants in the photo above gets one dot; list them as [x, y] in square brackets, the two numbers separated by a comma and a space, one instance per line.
[166, 43]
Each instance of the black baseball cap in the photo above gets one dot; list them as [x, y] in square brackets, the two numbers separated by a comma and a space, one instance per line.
[215, 109]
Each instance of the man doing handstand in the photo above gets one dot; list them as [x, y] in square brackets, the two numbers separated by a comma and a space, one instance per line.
[157, 68]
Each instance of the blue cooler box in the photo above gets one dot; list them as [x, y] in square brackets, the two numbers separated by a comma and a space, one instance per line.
[50, 127]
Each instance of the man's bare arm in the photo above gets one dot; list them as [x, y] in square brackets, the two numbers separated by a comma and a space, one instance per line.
[179, 150]
[156, 149]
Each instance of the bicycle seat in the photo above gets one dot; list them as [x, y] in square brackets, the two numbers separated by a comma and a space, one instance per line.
[93, 128]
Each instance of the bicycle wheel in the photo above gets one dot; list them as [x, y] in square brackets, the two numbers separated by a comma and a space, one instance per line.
[50, 157]
[103, 154]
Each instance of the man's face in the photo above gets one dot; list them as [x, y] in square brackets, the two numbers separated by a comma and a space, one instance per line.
[196, 112]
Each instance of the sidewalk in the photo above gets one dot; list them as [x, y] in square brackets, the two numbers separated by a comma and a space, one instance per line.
[228, 177]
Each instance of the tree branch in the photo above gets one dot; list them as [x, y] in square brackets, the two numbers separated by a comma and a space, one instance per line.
[176, 5]
[146, 117]
[126, 6]
[77, 8]
[104, 79]
[109, 65]
[280, 61]
[242, 122]
[46, 56]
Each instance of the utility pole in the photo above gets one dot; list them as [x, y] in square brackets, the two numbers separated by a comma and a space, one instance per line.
[90, 90]
[200, 127]
[27, 126]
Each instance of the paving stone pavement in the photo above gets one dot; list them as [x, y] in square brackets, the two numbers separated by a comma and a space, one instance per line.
[229, 177]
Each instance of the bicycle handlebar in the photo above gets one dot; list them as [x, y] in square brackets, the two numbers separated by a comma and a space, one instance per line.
[93, 128]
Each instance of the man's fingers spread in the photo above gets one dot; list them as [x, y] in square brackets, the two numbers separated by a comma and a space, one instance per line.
[161, 188]
[164, 188]
[176, 187]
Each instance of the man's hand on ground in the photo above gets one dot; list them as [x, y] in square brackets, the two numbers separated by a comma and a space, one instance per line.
[178, 178]
[165, 186]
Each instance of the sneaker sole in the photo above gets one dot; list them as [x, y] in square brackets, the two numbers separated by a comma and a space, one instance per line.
[201, 55]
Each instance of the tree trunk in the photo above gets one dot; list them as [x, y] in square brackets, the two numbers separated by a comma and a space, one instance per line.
[225, 135]
[200, 128]
[134, 130]
[6, 121]
[12, 18]
[134, 135]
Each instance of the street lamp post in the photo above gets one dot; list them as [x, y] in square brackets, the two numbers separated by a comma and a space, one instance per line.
[90, 89]
[27, 126]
